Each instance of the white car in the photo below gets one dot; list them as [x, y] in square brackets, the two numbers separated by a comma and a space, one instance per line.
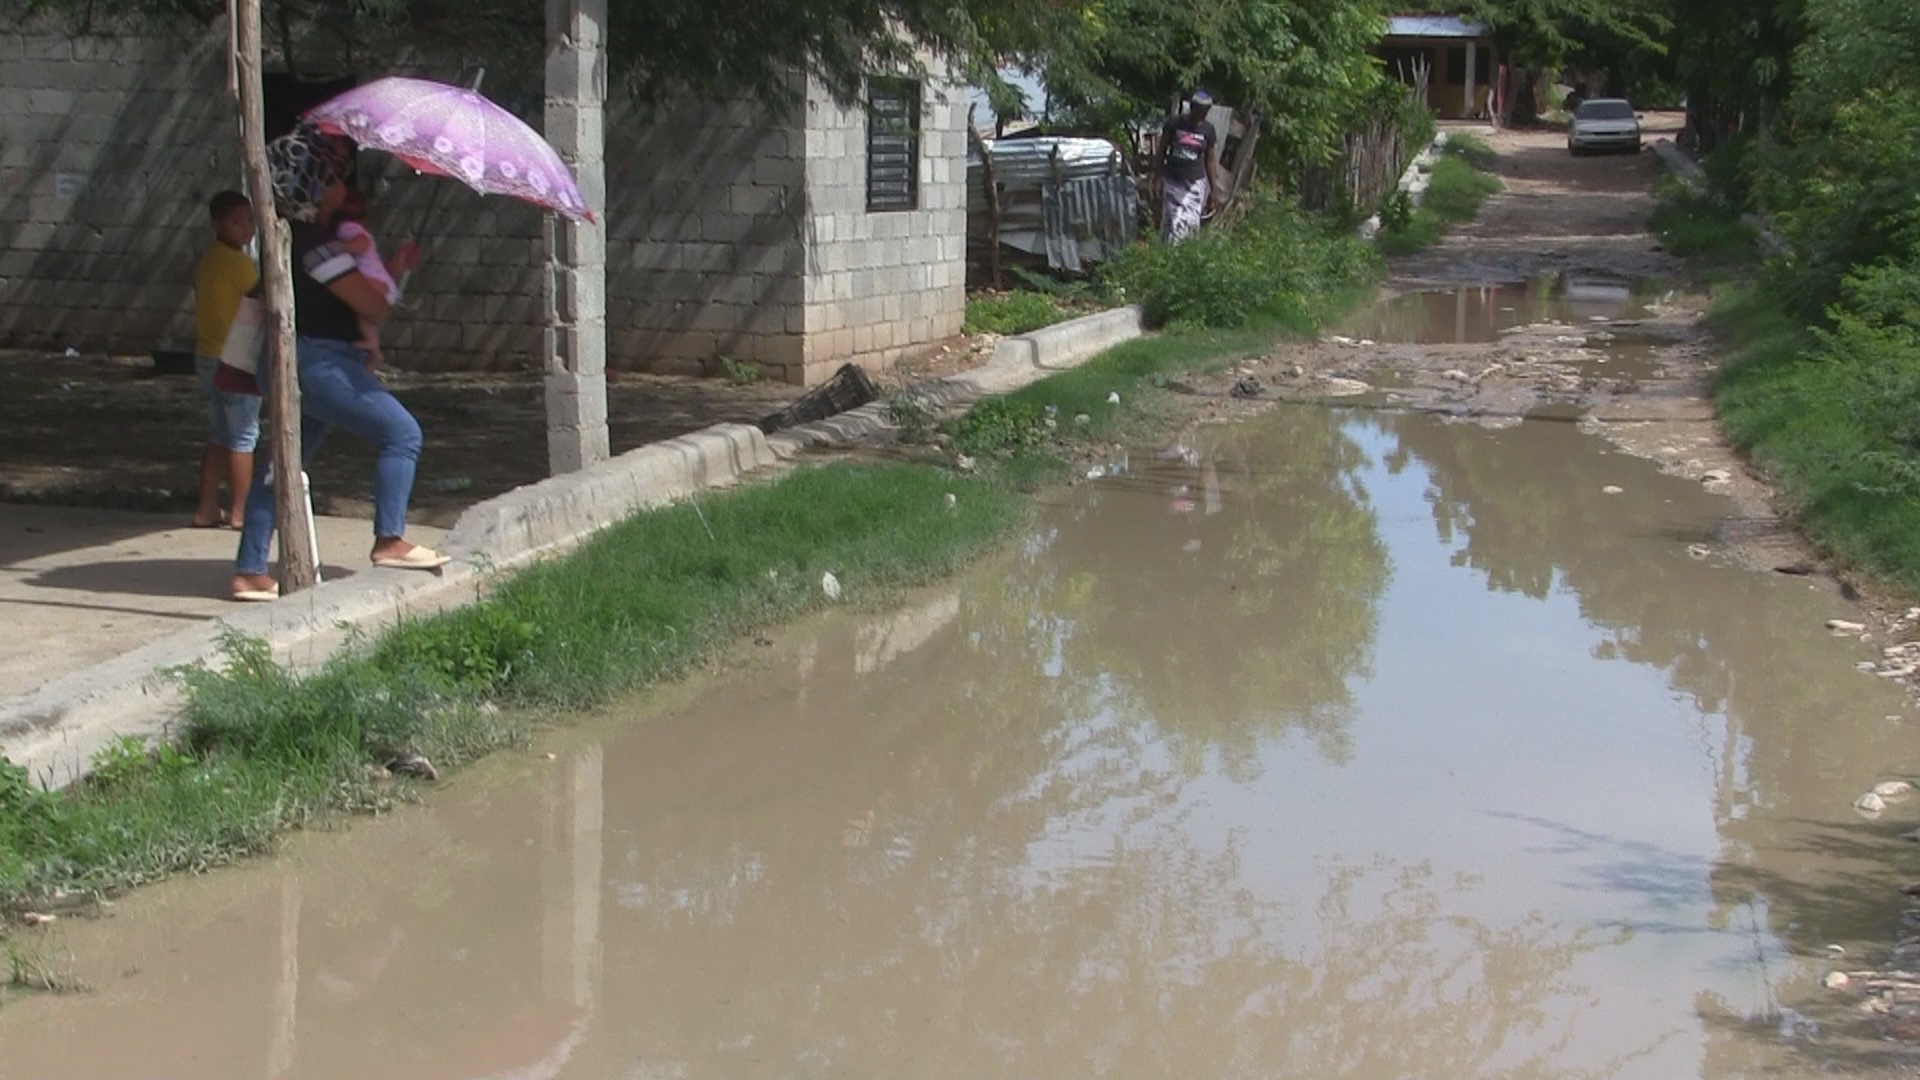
[1604, 124]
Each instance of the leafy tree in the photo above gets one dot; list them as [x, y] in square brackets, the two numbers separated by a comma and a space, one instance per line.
[658, 48]
[1303, 65]
[1537, 37]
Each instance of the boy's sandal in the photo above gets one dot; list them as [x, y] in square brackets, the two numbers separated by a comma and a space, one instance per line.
[257, 596]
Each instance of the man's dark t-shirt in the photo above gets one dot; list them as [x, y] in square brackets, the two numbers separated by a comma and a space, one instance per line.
[1186, 142]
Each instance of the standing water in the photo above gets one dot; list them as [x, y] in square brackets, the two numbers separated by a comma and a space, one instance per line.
[1316, 747]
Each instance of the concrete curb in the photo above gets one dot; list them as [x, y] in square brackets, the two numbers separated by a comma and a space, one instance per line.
[54, 731]
[1017, 361]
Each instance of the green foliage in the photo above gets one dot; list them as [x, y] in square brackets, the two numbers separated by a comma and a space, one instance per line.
[911, 417]
[1698, 226]
[740, 372]
[1301, 64]
[1473, 150]
[1397, 214]
[1013, 312]
[1454, 194]
[1834, 415]
[660, 49]
[1276, 264]
[999, 426]
[264, 749]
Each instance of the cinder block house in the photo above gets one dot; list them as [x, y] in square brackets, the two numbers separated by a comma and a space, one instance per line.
[798, 239]
[1457, 53]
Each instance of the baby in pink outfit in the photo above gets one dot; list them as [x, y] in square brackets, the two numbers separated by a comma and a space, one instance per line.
[350, 230]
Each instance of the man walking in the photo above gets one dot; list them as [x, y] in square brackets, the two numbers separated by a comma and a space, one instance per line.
[1185, 175]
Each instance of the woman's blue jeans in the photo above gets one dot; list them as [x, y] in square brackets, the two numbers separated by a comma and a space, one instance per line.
[337, 391]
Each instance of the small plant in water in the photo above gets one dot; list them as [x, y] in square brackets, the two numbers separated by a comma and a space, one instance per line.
[999, 425]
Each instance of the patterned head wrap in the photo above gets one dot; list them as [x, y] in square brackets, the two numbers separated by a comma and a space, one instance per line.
[304, 163]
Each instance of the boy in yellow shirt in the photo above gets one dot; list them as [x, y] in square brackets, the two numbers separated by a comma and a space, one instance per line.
[225, 275]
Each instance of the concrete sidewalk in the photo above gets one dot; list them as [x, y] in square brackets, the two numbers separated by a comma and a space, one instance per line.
[79, 587]
[104, 603]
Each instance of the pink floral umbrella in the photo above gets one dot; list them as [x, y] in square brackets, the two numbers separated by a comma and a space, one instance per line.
[447, 131]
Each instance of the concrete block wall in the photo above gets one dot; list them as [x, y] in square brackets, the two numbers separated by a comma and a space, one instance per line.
[109, 151]
[732, 231]
[880, 286]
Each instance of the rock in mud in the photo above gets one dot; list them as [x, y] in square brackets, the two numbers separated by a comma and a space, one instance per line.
[413, 765]
[1612, 489]
[1715, 476]
[36, 918]
[1845, 626]
[1836, 980]
[1699, 551]
[1799, 569]
[1456, 375]
[964, 463]
[1893, 790]
[830, 585]
[1870, 805]
[1248, 387]
[1339, 387]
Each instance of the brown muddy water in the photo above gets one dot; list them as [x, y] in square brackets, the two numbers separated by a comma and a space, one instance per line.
[1483, 313]
[1329, 745]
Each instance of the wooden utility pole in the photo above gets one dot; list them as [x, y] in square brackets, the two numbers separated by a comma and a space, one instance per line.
[298, 564]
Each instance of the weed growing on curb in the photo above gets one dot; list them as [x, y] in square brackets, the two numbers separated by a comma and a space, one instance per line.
[1459, 183]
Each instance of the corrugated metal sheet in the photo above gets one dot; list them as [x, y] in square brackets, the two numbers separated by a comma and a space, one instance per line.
[1434, 26]
[1069, 199]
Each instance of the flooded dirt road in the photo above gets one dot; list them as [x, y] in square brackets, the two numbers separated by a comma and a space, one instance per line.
[1323, 745]
[1430, 724]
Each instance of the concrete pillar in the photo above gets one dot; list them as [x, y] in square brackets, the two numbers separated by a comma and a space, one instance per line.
[1473, 57]
[576, 334]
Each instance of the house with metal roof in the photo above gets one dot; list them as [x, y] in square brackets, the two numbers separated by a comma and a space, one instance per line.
[1452, 57]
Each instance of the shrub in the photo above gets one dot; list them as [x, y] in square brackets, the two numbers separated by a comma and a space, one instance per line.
[1012, 312]
[1694, 225]
[1276, 263]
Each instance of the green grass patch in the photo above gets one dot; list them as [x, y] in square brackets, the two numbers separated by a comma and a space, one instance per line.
[1695, 226]
[1019, 311]
[1460, 183]
[262, 750]
[1277, 266]
[1833, 416]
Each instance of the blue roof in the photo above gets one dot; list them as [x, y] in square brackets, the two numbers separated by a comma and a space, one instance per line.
[1434, 26]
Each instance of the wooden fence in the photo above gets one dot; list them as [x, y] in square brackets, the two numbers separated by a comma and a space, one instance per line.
[1369, 166]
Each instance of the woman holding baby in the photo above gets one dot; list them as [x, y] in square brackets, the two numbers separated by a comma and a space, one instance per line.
[342, 293]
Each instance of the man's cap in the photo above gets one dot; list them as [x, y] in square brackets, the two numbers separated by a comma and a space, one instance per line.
[1201, 96]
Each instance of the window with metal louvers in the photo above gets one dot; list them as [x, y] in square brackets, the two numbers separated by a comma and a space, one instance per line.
[893, 144]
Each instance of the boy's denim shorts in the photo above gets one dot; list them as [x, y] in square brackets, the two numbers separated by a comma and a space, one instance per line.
[233, 420]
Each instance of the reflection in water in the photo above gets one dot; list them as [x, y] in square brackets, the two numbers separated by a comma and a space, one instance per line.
[1319, 747]
[1481, 313]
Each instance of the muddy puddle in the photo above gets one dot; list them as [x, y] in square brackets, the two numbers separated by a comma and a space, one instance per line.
[1327, 745]
[1483, 313]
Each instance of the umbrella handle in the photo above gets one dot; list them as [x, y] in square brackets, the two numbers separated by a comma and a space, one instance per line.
[433, 197]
